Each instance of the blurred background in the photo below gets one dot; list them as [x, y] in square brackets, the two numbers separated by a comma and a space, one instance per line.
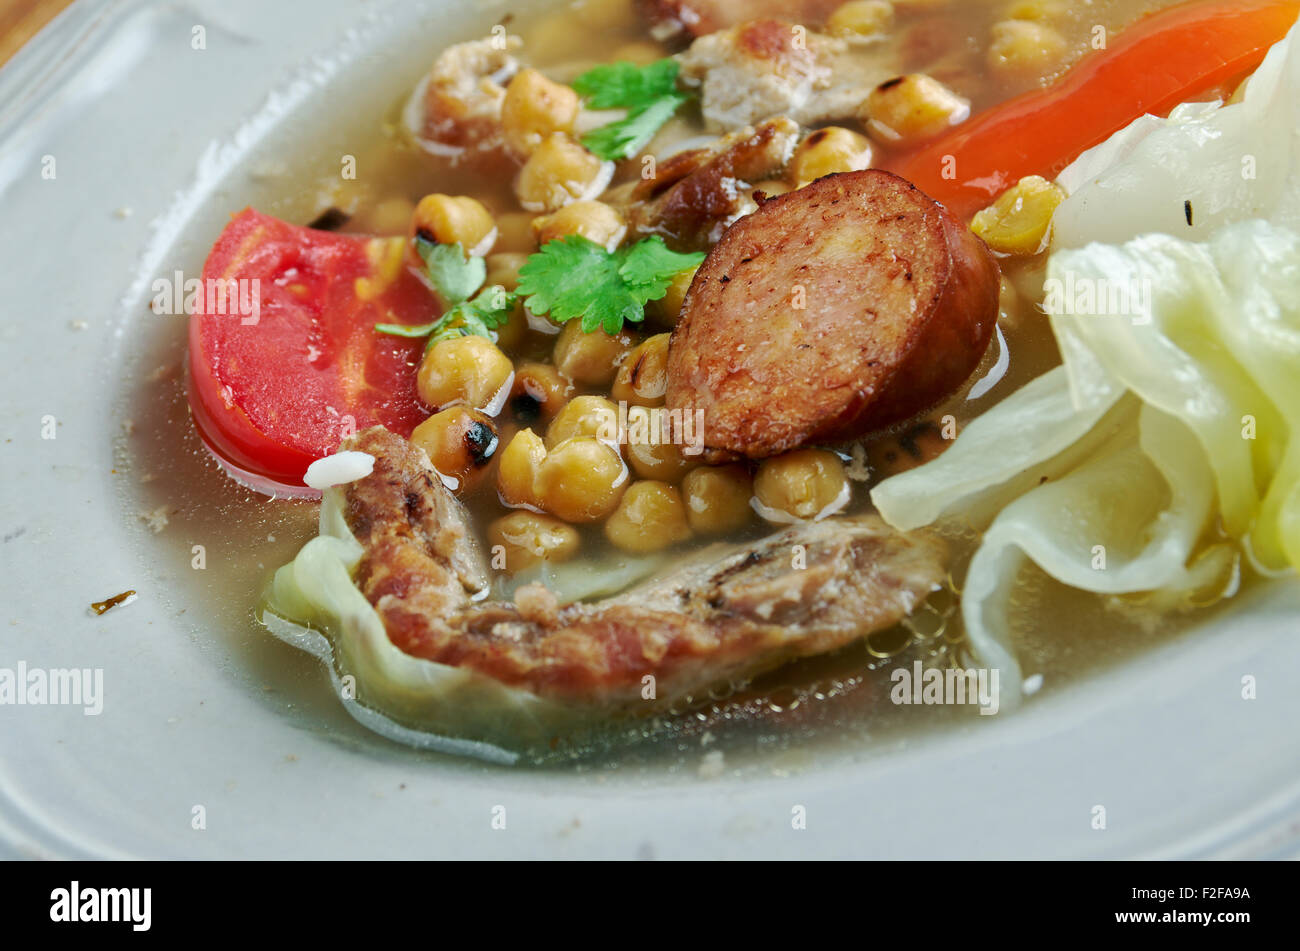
[21, 19]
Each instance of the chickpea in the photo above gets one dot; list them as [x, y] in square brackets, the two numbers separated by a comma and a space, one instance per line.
[805, 484]
[559, 172]
[717, 499]
[448, 220]
[581, 480]
[469, 370]
[544, 324]
[461, 443]
[907, 450]
[664, 462]
[534, 109]
[828, 151]
[590, 358]
[390, 216]
[669, 307]
[1020, 221]
[553, 40]
[593, 220]
[605, 15]
[1034, 9]
[517, 475]
[528, 538]
[772, 188]
[912, 108]
[642, 378]
[592, 416]
[503, 269]
[649, 518]
[861, 20]
[511, 334]
[540, 391]
[515, 233]
[642, 53]
[1022, 49]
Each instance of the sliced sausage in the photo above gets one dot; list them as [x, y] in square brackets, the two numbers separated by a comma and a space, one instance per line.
[835, 310]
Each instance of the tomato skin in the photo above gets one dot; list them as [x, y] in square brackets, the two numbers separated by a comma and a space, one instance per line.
[274, 387]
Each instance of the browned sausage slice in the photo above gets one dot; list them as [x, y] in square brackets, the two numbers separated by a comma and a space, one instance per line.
[835, 310]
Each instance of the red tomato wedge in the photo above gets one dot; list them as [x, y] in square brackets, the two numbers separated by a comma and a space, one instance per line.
[291, 362]
[1160, 61]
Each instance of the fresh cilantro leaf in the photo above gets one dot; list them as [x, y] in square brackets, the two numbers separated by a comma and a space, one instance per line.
[454, 276]
[648, 93]
[626, 85]
[649, 267]
[486, 312]
[577, 278]
[493, 306]
[624, 138]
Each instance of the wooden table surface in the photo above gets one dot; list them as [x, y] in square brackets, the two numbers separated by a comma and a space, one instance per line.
[21, 19]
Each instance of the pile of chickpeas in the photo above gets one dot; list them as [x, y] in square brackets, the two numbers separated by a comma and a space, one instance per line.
[537, 429]
[1024, 43]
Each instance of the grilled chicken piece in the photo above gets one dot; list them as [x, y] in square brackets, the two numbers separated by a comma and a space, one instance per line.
[724, 616]
[670, 19]
[774, 68]
[458, 105]
[696, 195]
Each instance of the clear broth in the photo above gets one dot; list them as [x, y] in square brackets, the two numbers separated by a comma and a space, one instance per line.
[837, 703]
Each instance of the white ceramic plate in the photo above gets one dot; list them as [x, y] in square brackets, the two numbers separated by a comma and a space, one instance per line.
[154, 143]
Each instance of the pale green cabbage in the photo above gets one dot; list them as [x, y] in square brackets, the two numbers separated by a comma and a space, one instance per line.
[314, 605]
[1232, 163]
[1168, 437]
[422, 702]
[1133, 448]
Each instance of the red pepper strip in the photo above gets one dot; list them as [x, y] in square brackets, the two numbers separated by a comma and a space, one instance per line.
[1160, 61]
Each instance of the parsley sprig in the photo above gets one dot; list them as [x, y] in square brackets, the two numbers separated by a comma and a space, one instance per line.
[648, 93]
[569, 278]
[456, 277]
[574, 277]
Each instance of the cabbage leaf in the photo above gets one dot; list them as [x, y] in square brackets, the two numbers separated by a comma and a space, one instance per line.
[1166, 445]
[453, 709]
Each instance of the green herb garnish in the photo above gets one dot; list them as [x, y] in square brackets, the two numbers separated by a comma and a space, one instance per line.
[455, 277]
[648, 93]
[575, 277]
